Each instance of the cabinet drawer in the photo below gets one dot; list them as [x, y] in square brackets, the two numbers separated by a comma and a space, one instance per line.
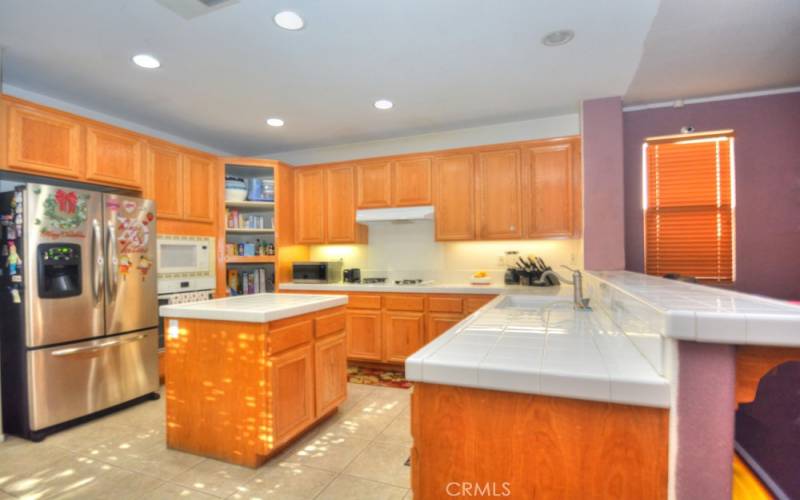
[364, 302]
[404, 303]
[472, 304]
[290, 336]
[332, 323]
[445, 304]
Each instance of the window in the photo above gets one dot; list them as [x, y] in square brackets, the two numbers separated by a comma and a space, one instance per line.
[689, 205]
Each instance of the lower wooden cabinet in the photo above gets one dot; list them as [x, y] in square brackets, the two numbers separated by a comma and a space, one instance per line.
[292, 384]
[330, 360]
[438, 323]
[404, 333]
[364, 335]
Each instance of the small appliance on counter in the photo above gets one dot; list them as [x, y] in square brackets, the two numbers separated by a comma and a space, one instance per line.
[352, 275]
[317, 272]
[78, 305]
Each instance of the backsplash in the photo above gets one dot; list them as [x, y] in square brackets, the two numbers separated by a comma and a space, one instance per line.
[408, 250]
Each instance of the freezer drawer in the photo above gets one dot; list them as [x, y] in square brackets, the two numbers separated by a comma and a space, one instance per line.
[74, 380]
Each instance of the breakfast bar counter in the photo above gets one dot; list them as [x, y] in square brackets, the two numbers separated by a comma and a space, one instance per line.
[247, 375]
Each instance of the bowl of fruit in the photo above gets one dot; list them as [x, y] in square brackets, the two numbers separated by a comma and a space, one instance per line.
[480, 278]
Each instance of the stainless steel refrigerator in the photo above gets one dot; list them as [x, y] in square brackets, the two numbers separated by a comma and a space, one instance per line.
[78, 305]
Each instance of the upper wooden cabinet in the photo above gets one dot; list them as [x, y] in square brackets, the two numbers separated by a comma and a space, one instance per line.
[374, 185]
[310, 205]
[500, 200]
[411, 182]
[167, 181]
[551, 179]
[113, 157]
[454, 200]
[199, 194]
[43, 142]
[341, 206]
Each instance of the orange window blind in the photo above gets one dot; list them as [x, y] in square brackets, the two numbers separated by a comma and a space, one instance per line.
[689, 206]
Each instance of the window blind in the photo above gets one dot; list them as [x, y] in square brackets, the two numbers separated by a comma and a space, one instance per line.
[689, 206]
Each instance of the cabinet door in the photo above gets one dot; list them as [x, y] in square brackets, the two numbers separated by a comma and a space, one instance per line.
[166, 182]
[43, 143]
[550, 200]
[500, 187]
[364, 337]
[199, 192]
[373, 185]
[454, 197]
[411, 182]
[341, 206]
[291, 383]
[330, 360]
[114, 157]
[404, 334]
[438, 323]
[310, 205]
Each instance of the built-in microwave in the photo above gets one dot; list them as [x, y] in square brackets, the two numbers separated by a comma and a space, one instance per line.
[185, 263]
[317, 272]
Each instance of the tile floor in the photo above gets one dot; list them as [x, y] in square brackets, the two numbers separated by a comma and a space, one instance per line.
[359, 453]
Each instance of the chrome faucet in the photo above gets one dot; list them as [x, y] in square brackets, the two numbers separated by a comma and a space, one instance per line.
[580, 302]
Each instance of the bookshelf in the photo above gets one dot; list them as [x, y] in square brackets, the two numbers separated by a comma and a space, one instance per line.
[249, 245]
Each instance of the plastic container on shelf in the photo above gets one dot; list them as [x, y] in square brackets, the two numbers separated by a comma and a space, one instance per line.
[235, 189]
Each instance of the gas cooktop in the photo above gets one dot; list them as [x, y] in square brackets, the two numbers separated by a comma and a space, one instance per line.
[403, 282]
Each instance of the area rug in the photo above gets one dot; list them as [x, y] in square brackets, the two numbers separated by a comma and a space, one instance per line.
[377, 376]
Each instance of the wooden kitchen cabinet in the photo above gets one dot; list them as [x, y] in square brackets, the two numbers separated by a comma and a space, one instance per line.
[404, 333]
[364, 335]
[500, 199]
[44, 143]
[330, 359]
[374, 185]
[167, 184]
[114, 157]
[340, 210]
[310, 205]
[198, 188]
[438, 323]
[551, 191]
[291, 377]
[411, 182]
[454, 197]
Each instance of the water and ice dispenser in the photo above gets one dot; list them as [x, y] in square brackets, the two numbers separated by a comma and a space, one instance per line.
[59, 270]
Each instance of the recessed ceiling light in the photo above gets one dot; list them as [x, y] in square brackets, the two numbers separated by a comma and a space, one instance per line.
[289, 20]
[559, 37]
[383, 104]
[274, 122]
[146, 61]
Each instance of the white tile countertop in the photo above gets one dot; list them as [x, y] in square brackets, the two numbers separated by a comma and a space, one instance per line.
[259, 308]
[689, 311]
[541, 345]
[456, 288]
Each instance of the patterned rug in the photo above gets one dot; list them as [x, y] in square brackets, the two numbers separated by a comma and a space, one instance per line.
[376, 376]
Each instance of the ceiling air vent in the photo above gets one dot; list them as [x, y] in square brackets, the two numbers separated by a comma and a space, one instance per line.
[189, 9]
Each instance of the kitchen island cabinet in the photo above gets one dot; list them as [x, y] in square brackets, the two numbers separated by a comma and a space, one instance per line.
[247, 375]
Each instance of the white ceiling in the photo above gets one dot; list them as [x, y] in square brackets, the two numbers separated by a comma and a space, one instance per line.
[447, 64]
[711, 47]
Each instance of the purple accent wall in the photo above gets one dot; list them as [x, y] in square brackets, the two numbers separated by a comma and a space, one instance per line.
[705, 405]
[603, 180]
[767, 154]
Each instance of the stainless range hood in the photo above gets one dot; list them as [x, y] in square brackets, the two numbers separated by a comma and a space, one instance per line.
[368, 215]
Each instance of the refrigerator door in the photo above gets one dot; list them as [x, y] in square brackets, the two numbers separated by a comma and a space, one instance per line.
[63, 298]
[70, 381]
[130, 281]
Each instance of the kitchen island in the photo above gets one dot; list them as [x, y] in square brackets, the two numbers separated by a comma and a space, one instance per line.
[633, 399]
[247, 375]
